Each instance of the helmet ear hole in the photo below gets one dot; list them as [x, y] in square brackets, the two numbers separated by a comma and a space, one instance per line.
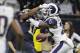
[53, 9]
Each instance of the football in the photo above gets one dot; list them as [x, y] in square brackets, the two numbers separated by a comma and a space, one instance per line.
[41, 37]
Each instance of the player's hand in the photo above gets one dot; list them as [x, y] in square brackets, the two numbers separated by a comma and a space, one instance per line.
[40, 6]
[14, 51]
[26, 10]
[43, 6]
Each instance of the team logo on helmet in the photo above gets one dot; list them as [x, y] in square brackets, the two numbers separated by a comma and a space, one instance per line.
[51, 22]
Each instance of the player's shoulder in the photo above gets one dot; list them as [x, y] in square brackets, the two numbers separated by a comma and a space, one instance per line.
[56, 17]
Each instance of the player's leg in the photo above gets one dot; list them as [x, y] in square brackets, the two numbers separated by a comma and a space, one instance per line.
[57, 48]
[61, 48]
[65, 49]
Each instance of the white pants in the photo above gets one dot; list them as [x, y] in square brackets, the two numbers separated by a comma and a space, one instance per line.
[62, 47]
[2, 45]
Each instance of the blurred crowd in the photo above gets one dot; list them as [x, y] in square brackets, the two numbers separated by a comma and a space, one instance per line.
[72, 5]
[66, 6]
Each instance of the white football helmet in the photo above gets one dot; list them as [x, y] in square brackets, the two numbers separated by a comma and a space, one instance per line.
[53, 9]
[44, 10]
[50, 9]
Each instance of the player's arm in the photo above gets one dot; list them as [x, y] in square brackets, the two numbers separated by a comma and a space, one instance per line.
[11, 46]
[77, 37]
[17, 28]
[30, 13]
[42, 24]
[38, 23]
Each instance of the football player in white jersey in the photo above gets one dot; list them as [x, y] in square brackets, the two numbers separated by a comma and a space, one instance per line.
[62, 43]
[6, 20]
[48, 13]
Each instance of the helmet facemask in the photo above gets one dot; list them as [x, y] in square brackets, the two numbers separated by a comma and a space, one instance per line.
[44, 12]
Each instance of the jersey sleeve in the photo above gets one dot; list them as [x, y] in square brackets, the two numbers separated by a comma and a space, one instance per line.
[34, 22]
[76, 36]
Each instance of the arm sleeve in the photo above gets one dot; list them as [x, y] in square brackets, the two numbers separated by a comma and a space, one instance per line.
[34, 22]
[76, 36]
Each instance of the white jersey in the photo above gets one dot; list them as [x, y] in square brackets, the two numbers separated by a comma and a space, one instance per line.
[57, 32]
[67, 40]
[75, 36]
[6, 17]
[62, 43]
